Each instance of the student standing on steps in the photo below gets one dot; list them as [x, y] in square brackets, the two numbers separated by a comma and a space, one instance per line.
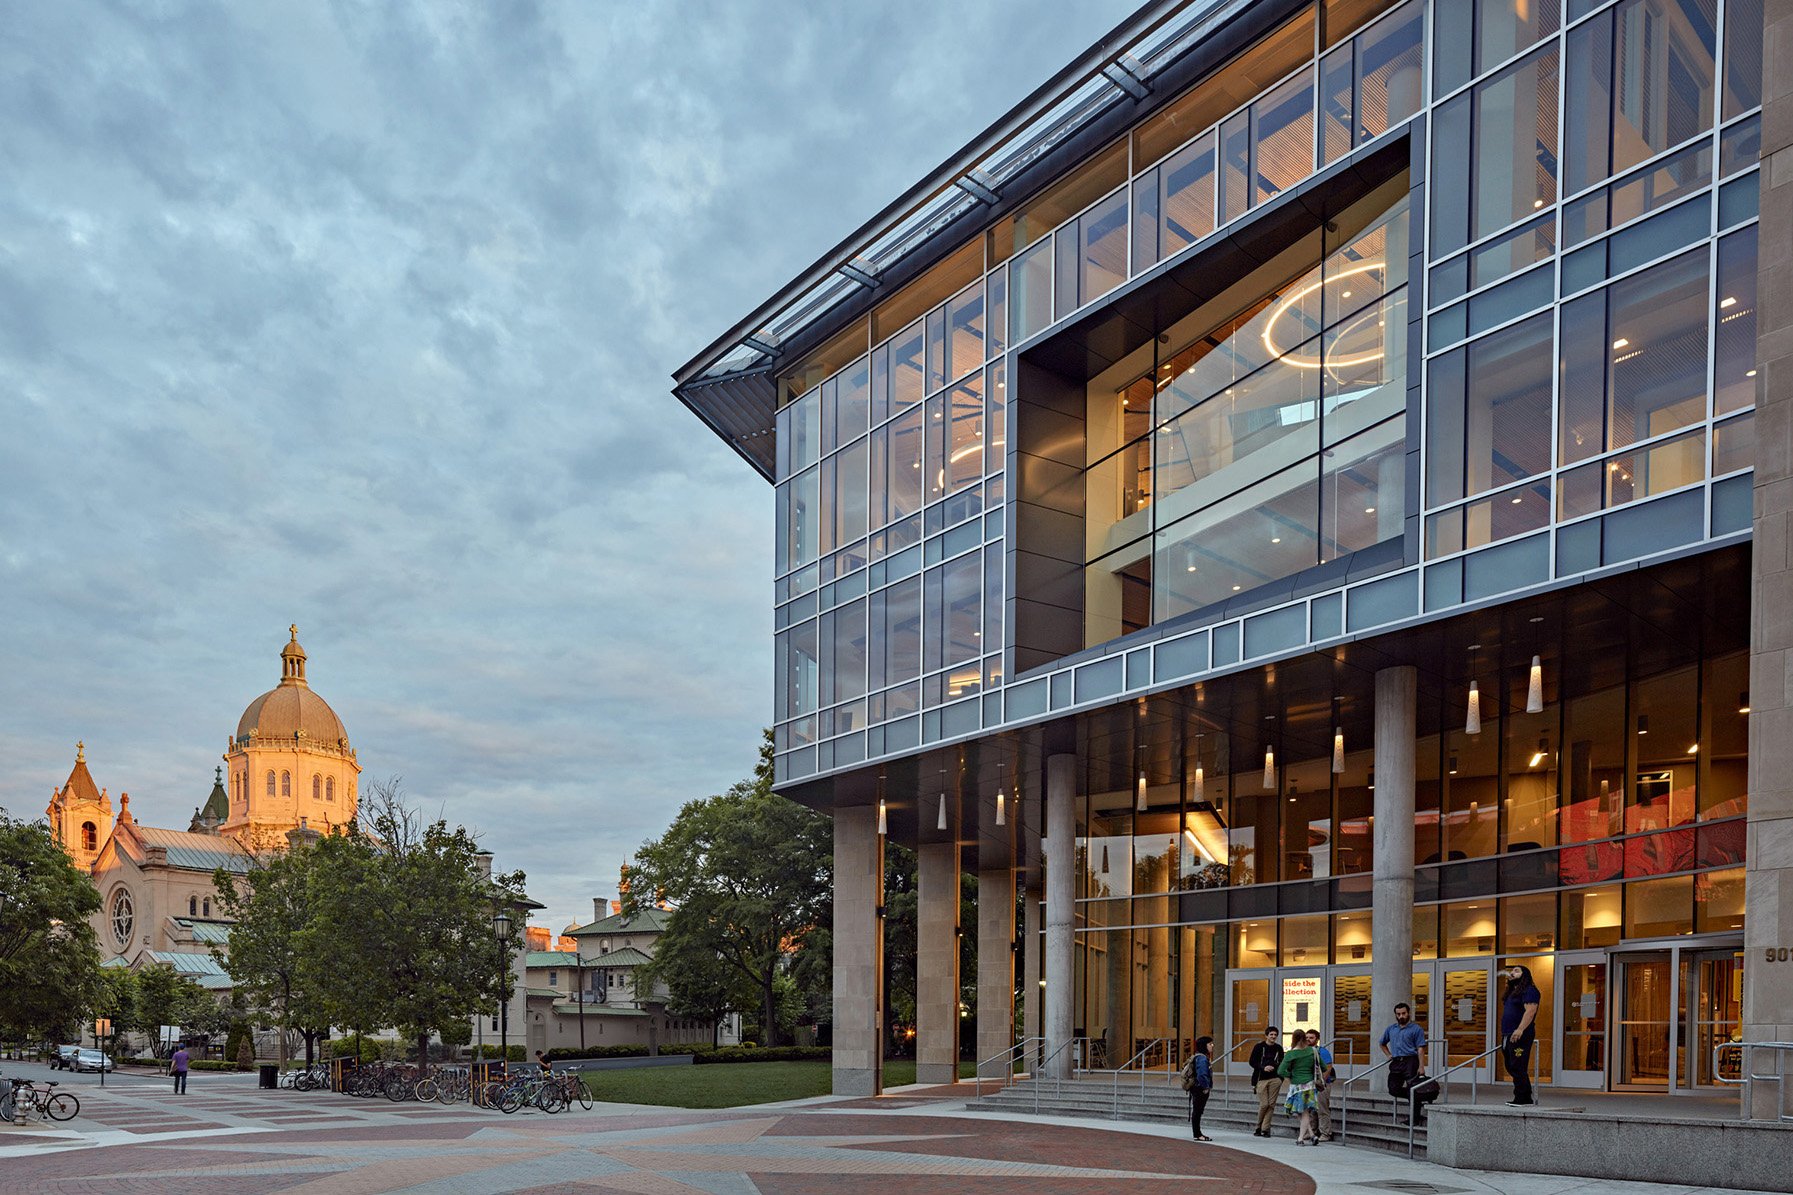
[1324, 1077]
[1198, 1081]
[1266, 1056]
[1300, 1066]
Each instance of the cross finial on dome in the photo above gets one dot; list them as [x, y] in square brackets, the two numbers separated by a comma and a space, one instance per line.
[80, 752]
[294, 628]
[292, 660]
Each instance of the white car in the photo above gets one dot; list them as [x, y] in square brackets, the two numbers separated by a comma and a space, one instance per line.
[91, 1060]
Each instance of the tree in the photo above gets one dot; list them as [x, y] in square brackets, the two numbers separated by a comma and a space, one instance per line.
[748, 876]
[401, 925]
[166, 997]
[49, 959]
[270, 908]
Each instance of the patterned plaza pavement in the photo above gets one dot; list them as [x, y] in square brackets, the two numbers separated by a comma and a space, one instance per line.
[225, 1135]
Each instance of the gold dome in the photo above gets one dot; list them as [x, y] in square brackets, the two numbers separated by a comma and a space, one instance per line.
[292, 710]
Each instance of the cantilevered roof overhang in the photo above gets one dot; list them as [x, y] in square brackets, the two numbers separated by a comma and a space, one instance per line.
[1141, 64]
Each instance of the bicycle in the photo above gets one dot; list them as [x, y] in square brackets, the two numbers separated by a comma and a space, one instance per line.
[27, 1097]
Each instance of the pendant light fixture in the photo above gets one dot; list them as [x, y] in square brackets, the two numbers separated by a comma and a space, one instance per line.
[1199, 792]
[1473, 723]
[1140, 804]
[1001, 814]
[1269, 767]
[883, 825]
[1338, 750]
[940, 822]
[1534, 686]
[1372, 777]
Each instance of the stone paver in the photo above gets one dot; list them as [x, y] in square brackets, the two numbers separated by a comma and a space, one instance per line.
[232, 1137]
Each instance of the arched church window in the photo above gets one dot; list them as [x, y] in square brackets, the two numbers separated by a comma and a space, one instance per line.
[208, 906]
[286, 784]
[270, 782]
[192, 906]
[90, 837]
[330, 789]
[317, 786]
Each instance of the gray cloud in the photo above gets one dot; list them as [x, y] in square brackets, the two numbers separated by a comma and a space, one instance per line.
[360, 315]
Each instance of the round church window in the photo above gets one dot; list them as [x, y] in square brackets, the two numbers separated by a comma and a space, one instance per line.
[121, 917]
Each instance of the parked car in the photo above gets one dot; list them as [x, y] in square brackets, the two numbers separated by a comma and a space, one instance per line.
[92, 1060]
[64, 1058]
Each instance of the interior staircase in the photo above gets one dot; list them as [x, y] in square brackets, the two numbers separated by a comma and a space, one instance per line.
[1364, 1118]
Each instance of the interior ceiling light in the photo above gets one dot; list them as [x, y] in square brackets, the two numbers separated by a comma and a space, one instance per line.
[940, 822]
[1289, 301]
[1001, 814]
[1472, 724]
[1140, 804]
[1269, 767]
[1743, 702]
[1338, 750]
[1643, 724]
[1540, 753]
[1534, 689]
[883, 824]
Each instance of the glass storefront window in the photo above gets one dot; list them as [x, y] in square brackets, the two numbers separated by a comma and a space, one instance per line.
[1735, 379]
[1226, 89]
[1304, 941]
[1474, 35]
[1352, 941]
[1718, 901]
[1531, 779]
[1469, 928]
[1254, 943]
[1591, 917]
[1528, 923]
[1425, 933]
[1659, 908]
[1489, 406]
[1743, 56]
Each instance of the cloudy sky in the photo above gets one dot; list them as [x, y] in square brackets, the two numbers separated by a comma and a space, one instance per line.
[361, 316]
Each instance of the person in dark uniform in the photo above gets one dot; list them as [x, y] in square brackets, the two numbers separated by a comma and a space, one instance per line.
[1519, 1032]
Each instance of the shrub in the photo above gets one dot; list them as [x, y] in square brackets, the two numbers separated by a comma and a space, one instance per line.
[246, 1052]
[745, 1053]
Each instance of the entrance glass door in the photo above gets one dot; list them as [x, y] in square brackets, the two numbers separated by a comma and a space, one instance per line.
[1712, 997]
[1581, 1020]
[1645, 994]
[1460, 1010]
[1250, 1010]
[1354, 1028]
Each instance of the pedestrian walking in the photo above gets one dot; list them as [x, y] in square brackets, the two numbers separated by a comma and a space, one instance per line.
[1518, 1032]
[1299, 1067]
[177, 1066]
[1402, 1042]
[1266, 1056]
[1198, 1081]
[1324, 1077]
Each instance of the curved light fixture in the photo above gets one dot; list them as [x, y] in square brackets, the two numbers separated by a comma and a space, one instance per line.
[1287, 303]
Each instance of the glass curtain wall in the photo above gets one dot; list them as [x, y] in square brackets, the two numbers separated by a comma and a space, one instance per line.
[1271, 440]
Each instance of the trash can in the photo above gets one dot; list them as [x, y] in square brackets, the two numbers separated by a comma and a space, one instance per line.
[270, 1078]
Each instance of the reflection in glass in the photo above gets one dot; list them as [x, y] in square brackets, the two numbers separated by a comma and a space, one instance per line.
[1640, 81]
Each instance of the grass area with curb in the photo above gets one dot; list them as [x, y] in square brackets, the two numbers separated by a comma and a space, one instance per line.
[732, 1086]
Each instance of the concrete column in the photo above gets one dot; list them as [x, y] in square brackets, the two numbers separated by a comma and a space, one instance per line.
[858, 951]
[995, 961]
[1060, 849]
[937, 962]
[1768, 880]
[1391, 915]
[1031, 970]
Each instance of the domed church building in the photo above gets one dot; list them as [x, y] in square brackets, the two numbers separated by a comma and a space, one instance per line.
[289, 774]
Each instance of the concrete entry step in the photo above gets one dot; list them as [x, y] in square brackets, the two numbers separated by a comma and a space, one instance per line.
[1364, 1120]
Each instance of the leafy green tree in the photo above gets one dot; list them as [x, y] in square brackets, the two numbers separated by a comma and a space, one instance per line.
[401, 926]
[49, 958]
[748, 876]
[270, 908]
[166, 997]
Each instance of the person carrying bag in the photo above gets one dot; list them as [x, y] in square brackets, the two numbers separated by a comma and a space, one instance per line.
[1198, 1081]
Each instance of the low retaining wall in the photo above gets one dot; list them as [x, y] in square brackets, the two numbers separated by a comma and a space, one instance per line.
[1755, 1155]
[620, 1064]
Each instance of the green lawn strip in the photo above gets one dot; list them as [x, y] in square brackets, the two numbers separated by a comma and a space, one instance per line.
[729, 1086]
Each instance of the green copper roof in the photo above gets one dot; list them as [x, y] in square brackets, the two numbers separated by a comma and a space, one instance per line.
[212, 933]
[217, 806]
[627, 957]
[551, 958]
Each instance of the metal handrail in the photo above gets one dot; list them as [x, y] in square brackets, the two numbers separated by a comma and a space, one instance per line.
[1009, 1056]
[1226, 1075]
[1040, 1077]
[1344, 1094]
[1115, 1100]
[1441, 1076]
[1748, 1078]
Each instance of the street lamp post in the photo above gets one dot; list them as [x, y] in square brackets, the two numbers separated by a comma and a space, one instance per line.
[579, 965]
[502, 923]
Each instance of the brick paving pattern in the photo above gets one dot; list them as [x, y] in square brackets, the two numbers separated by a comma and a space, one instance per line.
[321, 1144]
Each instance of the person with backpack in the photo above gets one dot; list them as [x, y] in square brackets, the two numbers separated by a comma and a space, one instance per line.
[1325, 1075]
[1198, 1081]
[1300, 1066]
[1266, 1056]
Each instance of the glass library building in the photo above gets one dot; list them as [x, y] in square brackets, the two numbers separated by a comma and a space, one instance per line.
[1283, 507]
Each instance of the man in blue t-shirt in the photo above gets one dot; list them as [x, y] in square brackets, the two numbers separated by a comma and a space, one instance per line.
[1402, 1042]
[1518, 1031]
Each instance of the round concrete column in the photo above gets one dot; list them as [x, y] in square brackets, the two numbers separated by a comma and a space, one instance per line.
[1060, 848]
[1391, 916]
